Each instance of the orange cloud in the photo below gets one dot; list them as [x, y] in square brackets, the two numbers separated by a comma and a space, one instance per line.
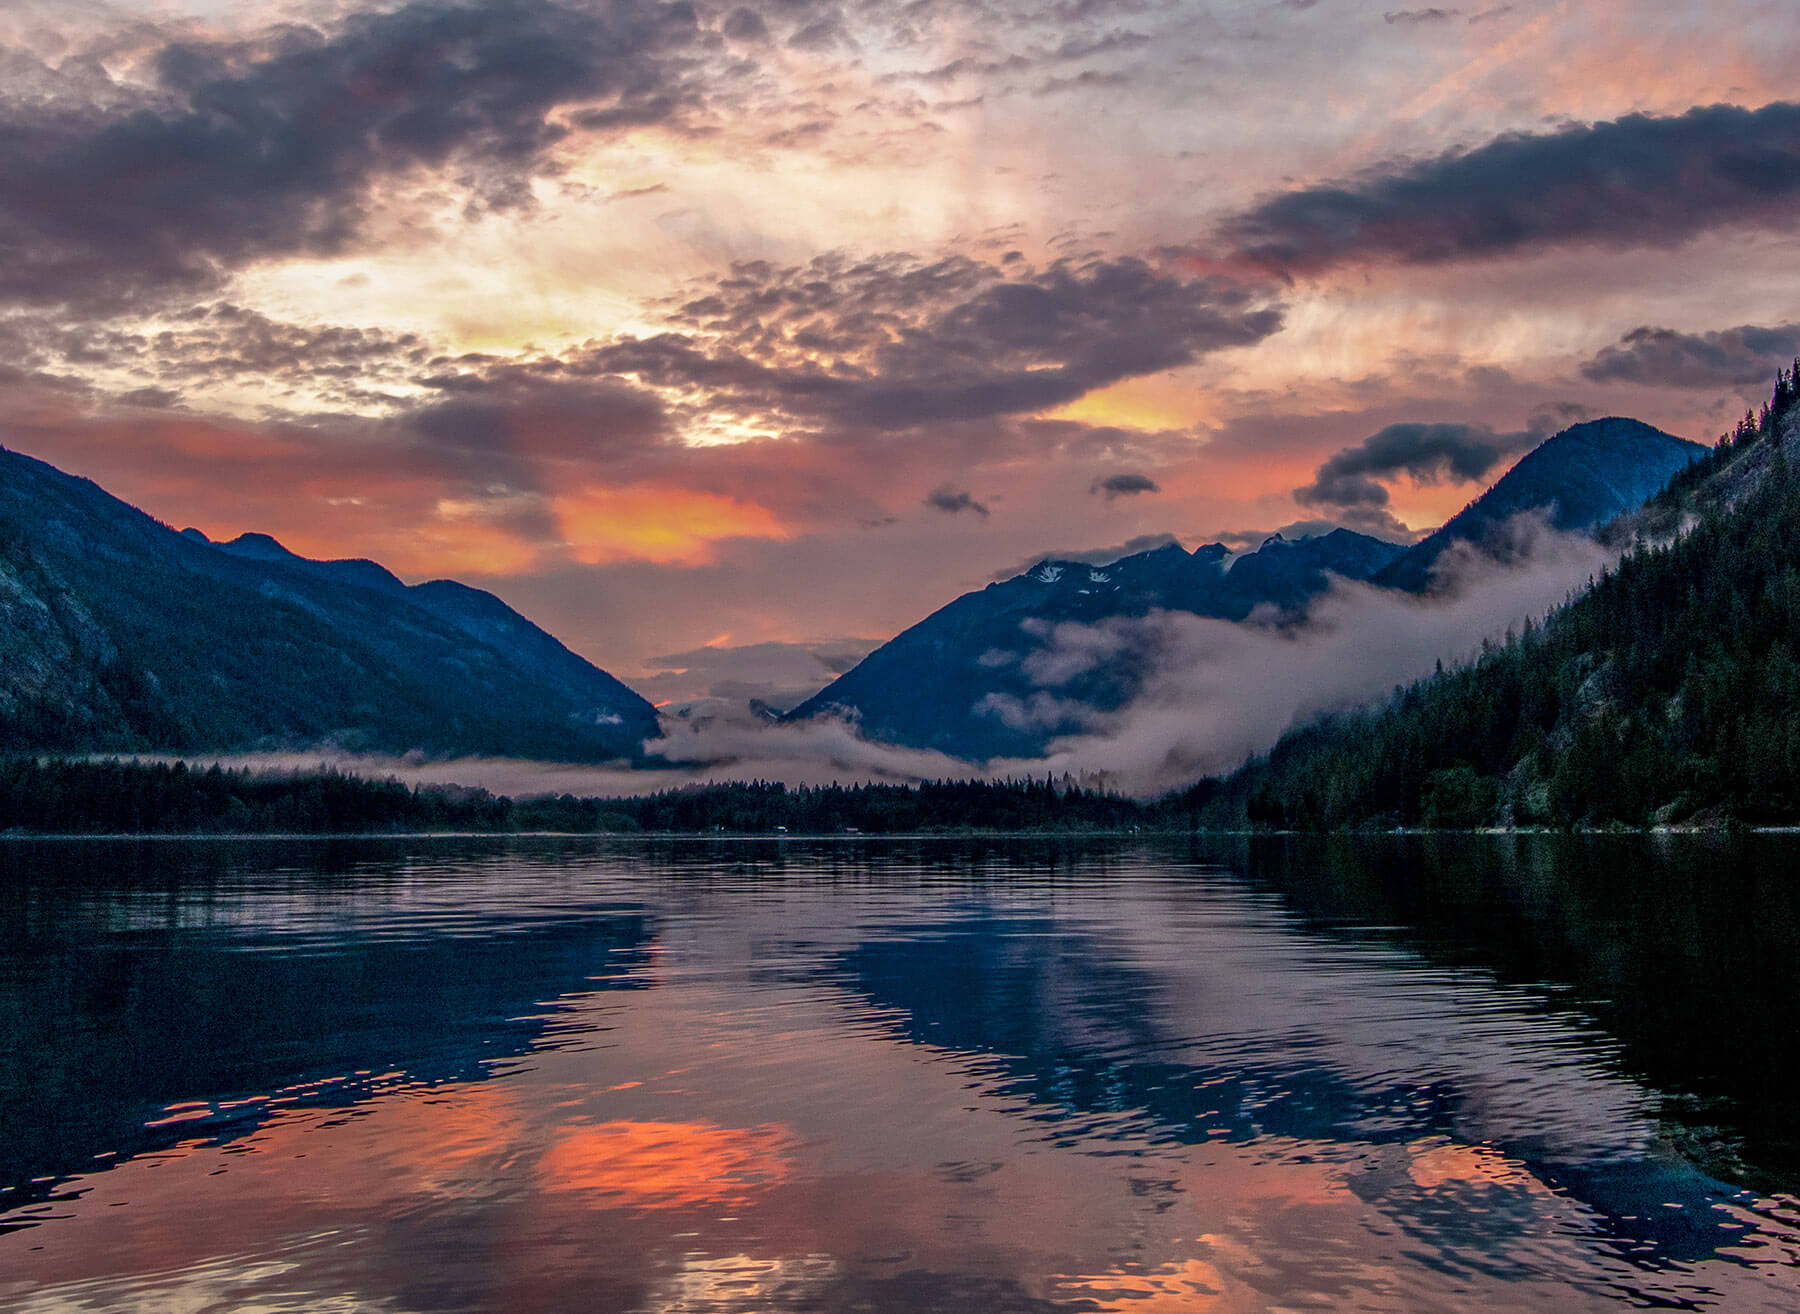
[667, 1165]
[669, 526]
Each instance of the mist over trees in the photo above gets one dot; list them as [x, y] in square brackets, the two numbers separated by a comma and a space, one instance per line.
[1668, 692]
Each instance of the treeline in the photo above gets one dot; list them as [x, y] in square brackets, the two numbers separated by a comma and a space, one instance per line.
[1669, 692]
[90, 797]
[94, 797]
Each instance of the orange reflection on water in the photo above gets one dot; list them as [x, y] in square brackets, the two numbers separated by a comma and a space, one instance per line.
[667, 1165]
[1434, 1165]
[1192, 1286]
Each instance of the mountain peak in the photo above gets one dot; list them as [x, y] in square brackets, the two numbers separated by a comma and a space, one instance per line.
[1583, 477]
[257, 547]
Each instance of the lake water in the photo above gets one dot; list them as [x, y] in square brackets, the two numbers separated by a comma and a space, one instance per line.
[546, 1075]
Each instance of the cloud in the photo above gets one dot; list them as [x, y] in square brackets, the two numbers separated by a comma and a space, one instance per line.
[1125, 485]
[1427, 453]
[777, 675]
[1724, 358]
[518, 412]
[237, 151]
[1413, 17]
[826, 32]
[893, 342]
[210, 345]
[745, 25]
[952, 500]
[1218, 692]
[1634, 182]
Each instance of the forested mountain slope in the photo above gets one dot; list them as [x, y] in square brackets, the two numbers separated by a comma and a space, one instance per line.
[1583, 477]
[118, 633]
[1668, 692]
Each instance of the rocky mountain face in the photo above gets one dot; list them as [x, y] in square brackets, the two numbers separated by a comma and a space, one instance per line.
[117, 633]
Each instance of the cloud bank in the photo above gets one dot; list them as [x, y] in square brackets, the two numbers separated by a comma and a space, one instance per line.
[1637, 181]
[228, 152]
[1725, 358]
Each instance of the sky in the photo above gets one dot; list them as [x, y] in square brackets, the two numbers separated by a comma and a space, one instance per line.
[725, 341]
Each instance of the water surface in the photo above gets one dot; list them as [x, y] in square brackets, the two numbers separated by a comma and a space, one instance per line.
[528, 1075]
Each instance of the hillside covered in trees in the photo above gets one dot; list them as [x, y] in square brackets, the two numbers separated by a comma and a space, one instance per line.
[1669, 692]
[118, 634]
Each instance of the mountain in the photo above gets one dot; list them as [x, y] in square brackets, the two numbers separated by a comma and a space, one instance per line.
[116, 633]
[477, 613]
[1668, 692]
[964, 680]
[961, 680]
[1585, 476]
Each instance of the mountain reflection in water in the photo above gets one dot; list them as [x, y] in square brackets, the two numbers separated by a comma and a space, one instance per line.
[1023, 1075]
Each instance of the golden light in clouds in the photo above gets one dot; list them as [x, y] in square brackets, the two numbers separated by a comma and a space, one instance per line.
[1166, 401]
[462, 547]
[669, 526]
[667, 1165]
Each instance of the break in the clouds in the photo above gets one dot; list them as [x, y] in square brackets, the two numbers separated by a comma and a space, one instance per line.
[1744, 356]
[222, 152]
[1637, 181]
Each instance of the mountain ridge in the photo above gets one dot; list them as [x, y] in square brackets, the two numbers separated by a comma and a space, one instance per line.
[960, 680]
[981, 701]
[121, 634]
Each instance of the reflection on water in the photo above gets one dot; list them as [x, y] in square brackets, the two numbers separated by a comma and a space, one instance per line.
[580, 1075]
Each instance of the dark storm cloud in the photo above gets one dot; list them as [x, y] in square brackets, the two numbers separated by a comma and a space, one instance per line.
[745, 25]
[1639, 181]
[1725, 358]
[515, 412]
[1125, 485]
[893, 342]
[261, 148]
[951, 500]
[1351, 480]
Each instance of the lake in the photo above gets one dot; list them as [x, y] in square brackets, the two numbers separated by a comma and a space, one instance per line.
[523, 1074]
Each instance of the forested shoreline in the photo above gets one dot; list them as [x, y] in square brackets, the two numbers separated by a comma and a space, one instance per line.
[1667, 694]
[128, 797]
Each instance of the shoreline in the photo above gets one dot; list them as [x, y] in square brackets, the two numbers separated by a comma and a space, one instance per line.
[164, 836]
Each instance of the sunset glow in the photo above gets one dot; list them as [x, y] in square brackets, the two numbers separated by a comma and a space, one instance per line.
[711, 280]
